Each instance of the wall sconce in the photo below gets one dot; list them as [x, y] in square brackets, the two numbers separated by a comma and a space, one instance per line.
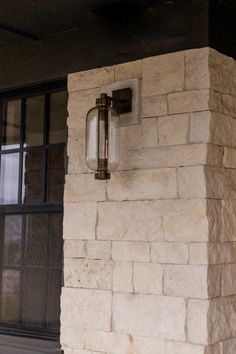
[103, 132]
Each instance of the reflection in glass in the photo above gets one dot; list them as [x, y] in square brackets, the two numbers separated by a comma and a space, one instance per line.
[34, 122]
[10, 295]
[11, 125]
[36, 236]
[12, 240]
[55, 175]
[55, 239]
[58, 116]
[9, 178]
[53, 298]
[32, 177]
[33, 297]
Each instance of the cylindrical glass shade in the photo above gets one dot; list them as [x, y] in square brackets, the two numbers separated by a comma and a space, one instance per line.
[102, 140]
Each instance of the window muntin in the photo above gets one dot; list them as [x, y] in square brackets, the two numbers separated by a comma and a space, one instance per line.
[32, 173]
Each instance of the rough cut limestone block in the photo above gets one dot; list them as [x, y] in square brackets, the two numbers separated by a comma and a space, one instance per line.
[222, 134]
[149, 132]
[93, 274]
[186, 281]
[129, 221]
[229, 220]
[148, 278]
[72, 338]
[173, 130]
[130, 137]
[74, 249]
[154, 106]
[91, 78]
[214, 210]
[186, 221]
[84, 188]
[122, 343]
[228, 279]
[192, 182]
[229, 346]
[222, 319]
[98, 250]
[122, 277]
[197, 317]
[149, 315]
[197, 69]
[163, 74]
[129, 70]
[139, 185]
[78, 106]
[80, 220]
[198, 253]
[75, 143]
[169, 252]
[183, 348]
[131, 251]
[171, 156]
[79, 309]
[189, 101]
[200, 127]
[215, 155]
[229, 157]
[223, 103]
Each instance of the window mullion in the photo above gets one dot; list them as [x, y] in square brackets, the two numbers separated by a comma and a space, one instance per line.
[22, 140]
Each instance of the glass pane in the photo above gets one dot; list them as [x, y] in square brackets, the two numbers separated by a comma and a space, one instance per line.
[55, 175]
[58, 117]
[53, 299]
[9, 179]
[32, 188]
[11, 125]
[10, 295]
[12, 240]
[55, 240]
[33, 299]
[34, 122]
[36, 238]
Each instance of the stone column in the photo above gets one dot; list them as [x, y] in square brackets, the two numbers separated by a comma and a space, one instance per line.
[150, 254]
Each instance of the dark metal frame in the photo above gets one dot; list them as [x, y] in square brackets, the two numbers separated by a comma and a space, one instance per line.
[44, 206]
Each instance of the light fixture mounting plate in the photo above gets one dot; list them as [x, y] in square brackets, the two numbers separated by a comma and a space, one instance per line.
[122, 100]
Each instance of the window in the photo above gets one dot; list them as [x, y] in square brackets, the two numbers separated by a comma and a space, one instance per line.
[32, 170]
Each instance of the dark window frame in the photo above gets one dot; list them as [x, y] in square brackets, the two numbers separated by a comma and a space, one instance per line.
[43, 207]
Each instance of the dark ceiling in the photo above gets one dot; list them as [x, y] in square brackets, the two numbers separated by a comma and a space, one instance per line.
[47, 39]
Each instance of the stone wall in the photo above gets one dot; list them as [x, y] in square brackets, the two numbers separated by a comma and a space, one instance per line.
[150, 255]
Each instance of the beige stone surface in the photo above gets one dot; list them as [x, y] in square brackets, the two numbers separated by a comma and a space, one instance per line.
[148, 278]
[74, 249]
[173, 130]
[79, 220]
[153, 106]
[223, 103]
[186, 221]
[183, 348]
[229, 346]
[141, 185]
[149, 132]
[123, 343]
[122, 277]
[91, 78]
[130, 137]
[129, 221]
[163, 74]
[83, 304]
[149, 315]
[98, 250]
[229, 220]
[169, 252]
[189, 101]
[228, 279]
[229, 158]
[192, 182]
[200, 127]
[84, 188]
[171, 156]
[197, 69]
[197, 325]
[71, 337]
[199, 253]
[131, 251]
[129, 70]
[186, 281]
[91, 274]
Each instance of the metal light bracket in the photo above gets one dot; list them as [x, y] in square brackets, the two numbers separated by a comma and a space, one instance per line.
[122, 100]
